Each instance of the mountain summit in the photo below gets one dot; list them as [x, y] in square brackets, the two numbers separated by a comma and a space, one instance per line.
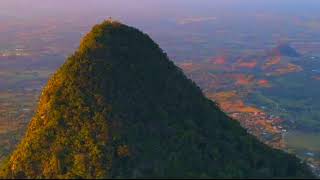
[284, 49]
[119, 108]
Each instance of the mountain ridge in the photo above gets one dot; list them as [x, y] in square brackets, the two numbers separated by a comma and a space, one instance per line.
[284, 49]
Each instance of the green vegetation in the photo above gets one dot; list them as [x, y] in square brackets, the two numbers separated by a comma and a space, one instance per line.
[119, 108]
[294, 97]
[303, 140]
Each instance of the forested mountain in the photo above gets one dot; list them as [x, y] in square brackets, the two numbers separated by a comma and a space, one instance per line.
[119, 108]
[284, 49]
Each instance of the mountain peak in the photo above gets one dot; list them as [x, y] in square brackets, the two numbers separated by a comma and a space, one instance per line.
[119, 108]
[100, 34]
[285, 49]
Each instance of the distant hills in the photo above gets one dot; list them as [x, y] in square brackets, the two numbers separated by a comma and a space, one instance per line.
[284, 49]
[119, 108]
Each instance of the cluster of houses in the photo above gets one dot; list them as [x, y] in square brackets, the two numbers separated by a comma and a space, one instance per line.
[265, 127]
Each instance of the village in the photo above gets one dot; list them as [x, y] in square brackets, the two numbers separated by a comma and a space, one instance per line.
[265, 127]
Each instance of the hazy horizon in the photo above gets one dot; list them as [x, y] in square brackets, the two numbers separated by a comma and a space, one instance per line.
[265, 20]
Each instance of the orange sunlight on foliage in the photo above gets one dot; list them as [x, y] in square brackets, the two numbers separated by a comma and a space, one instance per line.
[229, 101]
[247, 64]
[264, 83]
[271, 62]
[219, 60]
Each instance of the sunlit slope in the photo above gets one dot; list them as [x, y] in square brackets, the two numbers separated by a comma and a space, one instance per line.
[119, 107]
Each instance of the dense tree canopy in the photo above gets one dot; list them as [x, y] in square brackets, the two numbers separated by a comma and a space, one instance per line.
[119, 108]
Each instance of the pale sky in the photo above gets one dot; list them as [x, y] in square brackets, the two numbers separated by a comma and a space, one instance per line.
[38, 8]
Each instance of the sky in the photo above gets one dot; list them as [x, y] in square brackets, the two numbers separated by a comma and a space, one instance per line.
[151, 8]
